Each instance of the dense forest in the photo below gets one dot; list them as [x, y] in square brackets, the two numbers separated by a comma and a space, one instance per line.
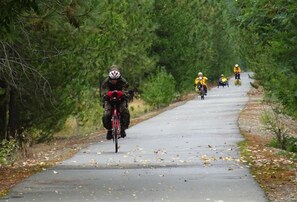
[54, 54]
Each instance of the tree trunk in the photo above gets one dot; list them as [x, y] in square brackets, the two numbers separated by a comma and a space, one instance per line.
[14, 115]
[3, 110]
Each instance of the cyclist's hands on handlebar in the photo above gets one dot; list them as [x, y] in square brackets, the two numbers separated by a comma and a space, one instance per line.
[115, 93]
[119, 94]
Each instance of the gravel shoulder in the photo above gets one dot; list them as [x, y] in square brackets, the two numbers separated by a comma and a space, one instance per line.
[275, 170]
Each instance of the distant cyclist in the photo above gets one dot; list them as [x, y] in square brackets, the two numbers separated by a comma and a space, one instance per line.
[237, 71]
[223, 81]
[115, 81]
[202, 80]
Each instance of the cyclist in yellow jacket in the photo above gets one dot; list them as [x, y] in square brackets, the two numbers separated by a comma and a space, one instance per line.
[202, 80]
[237, 71]
[223, 81]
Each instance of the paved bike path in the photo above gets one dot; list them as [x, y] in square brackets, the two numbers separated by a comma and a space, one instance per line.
[189, 153]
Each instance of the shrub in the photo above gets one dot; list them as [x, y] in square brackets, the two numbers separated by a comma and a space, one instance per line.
[159, 89]
[290, 144]
[8, 151]
[272, 123]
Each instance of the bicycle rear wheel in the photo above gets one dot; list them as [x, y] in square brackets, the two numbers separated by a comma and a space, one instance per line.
[237, 82]
[115, 133]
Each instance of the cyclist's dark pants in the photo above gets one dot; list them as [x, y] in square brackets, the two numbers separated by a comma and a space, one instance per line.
[237, 75]
[125, 115]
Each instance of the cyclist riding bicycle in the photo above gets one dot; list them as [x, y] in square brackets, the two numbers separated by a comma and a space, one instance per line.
[223, 81]
[202, 80]
[115, 81]
[237, 71]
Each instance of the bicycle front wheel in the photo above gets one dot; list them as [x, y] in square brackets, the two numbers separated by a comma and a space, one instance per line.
[115, 133]
[202, 93]
[116, 146]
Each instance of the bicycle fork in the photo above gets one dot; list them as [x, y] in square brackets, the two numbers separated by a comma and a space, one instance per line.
[116, 126]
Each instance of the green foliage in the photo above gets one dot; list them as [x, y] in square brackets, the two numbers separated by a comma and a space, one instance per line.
[159, 89]
[39, 136]
[8, 150]
[270, 28]
[195, 36]
[58, 51]
[273, 123]
[176, 45]
[2, 91]
[290, 144]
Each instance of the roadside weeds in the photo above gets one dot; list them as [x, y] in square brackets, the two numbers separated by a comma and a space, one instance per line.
[275, 170]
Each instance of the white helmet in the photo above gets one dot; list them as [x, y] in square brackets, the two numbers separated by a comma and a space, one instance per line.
[114, 74]
[200, 74]
[236, 65]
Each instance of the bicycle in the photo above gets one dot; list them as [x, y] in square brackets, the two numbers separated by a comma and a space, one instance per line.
[223, 82]
[237, 81]
[199, 88]
[114, 98]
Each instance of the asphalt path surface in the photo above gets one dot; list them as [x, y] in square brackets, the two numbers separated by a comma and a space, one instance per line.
[188, 153]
